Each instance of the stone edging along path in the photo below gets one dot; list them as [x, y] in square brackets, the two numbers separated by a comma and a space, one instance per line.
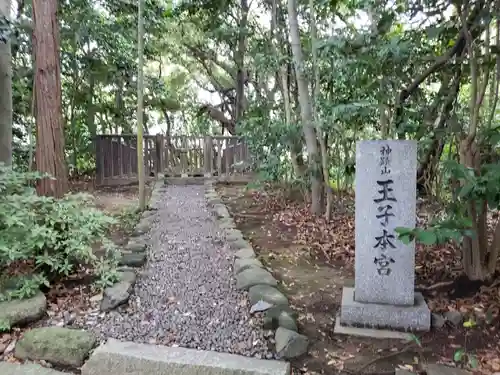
[252, 276]
[70, 348]
[133, 255]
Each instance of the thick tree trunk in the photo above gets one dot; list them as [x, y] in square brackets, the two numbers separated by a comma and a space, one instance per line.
[50, 131]
[6, 91]
[306, 113]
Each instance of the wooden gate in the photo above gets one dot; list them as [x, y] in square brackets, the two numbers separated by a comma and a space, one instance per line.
[182, 156]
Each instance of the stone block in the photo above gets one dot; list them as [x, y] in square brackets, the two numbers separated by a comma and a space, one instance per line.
[245, 253]
[267, 293]
[416, 317]
[132, 259]
[340, 329]
[7, 368]
[242, 264]
[290, 344]
[57, 345]
[18, 312]
[385, 199]
[254, 276]
[118, 358]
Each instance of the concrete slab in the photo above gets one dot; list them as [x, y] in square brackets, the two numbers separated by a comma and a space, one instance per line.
[118, 358]
[370, 332]
[26, 369]
[416, 317]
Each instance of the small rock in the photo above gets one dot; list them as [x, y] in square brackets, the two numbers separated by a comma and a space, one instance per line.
[221, 211]
[287, 321]
[119, 293]
[242, 264]
[226, 224]
[454, 317]
[132, 259]
[23, 311]
[234, 235]
[290, 344]
[140, 229]
[214, 201]
[136, 247]
[437, 320]
[60, 346]
[128, 276]
[254, 276]
[266, 293]
[116, 295]
[240, 244]
[282, 316]
[260, 306]
[148, 214]
[270, 323]
[246, 253]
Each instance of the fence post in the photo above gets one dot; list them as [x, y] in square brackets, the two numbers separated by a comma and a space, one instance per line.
[99, 170]
[208, 145]
[160, 163]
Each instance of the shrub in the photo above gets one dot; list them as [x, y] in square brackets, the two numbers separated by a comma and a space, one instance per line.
[56, 235]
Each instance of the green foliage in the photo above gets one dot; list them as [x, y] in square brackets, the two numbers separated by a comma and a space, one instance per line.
[128, 218]
[4, 326]
[462, 356]
[468, 187]
[56, 235]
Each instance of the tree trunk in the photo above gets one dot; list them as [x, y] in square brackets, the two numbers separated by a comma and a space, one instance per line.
[49, 122]
[91, 108]
[427, 169]
[240, 61]
[140, 107]
[475, 250]
[6, 91]
[295, 145]
[306, 112]
[317, 123]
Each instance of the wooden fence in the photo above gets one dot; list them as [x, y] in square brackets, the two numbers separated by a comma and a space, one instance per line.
[182, 156]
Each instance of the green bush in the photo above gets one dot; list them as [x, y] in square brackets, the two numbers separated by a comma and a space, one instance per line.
[55, 234]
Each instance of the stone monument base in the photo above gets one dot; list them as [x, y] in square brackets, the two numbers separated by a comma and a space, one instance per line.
[374, 315]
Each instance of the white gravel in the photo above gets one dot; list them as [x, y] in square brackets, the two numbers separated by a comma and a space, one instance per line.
[186, 295]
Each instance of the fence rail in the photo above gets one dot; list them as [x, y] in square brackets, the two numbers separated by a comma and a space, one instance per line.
[183, 156]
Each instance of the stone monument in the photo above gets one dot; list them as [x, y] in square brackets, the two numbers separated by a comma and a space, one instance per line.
[383, 295]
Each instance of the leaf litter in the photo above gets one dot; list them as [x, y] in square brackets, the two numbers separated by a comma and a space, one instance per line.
[296, 239]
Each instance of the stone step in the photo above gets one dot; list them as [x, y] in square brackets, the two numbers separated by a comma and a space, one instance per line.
[7, 368]
[118, 358]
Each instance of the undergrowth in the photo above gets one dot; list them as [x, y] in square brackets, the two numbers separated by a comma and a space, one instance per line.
[54, 236]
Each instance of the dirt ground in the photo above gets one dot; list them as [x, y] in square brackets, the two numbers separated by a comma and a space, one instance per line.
[314, 260]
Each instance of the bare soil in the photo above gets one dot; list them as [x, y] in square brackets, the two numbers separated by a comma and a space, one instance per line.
[313, 260]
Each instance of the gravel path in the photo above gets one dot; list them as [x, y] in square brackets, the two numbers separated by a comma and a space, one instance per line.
[186, 295]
